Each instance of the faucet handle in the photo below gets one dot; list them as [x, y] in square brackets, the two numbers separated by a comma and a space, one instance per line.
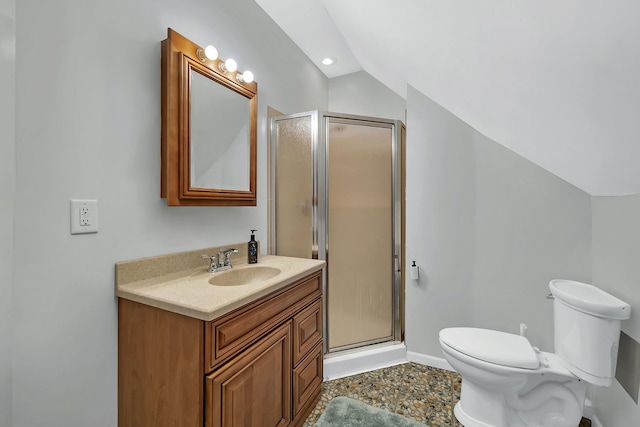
[212, 260]
[227, 256]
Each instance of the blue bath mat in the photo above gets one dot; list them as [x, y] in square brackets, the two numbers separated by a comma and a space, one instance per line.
[345, 412]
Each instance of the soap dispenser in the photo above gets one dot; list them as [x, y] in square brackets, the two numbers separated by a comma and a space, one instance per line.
[252, 249]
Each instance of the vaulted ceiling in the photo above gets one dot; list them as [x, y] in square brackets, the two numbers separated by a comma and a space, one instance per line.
[558, 82]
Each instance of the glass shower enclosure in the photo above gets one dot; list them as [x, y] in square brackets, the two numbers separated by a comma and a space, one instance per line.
[336, 186]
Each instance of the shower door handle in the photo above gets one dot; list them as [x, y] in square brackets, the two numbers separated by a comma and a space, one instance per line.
[305, 208]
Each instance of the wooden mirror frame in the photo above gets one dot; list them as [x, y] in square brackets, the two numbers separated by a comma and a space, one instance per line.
[178, 58]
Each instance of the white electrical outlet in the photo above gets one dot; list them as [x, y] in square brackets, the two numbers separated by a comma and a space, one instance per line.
[84, 216]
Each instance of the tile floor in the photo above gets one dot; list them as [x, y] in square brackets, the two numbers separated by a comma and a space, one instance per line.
[416, 391]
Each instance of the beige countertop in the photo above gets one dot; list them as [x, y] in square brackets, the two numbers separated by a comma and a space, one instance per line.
[188, 291]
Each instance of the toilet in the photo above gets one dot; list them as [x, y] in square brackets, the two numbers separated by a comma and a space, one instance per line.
[508, 383]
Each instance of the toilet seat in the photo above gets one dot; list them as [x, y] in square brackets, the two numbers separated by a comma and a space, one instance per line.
[495, 347]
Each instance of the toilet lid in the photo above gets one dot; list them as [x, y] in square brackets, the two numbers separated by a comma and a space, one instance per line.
[496, 347]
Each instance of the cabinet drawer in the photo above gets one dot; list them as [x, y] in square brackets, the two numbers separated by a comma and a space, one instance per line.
[307, 379]
[227, 336]
[307, 330]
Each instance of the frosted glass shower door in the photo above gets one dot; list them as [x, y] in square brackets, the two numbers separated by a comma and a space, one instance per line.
[360, 225]
[293, 185]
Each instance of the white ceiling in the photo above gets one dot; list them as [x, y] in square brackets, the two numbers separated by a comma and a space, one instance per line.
[556, 81]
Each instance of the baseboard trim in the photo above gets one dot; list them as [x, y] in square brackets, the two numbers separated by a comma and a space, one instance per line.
[423, 359]
[357, 362]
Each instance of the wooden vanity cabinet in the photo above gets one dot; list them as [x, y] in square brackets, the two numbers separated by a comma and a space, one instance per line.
[260, 365]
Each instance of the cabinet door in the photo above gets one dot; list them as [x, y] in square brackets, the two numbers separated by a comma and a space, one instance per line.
[254, 388]
[307, 331]
[307, 383]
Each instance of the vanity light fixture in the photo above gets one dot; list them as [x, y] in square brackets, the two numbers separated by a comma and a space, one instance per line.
[246, 77]
[228, 65]
[208, 52]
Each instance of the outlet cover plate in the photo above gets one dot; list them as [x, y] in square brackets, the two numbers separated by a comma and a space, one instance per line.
[84, 216]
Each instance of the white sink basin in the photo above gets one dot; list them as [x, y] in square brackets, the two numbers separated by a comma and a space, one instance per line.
[244, 275]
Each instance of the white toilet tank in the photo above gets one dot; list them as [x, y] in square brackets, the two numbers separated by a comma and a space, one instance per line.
[587, 329]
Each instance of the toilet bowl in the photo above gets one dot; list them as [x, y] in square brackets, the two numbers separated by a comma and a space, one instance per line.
[508, 383]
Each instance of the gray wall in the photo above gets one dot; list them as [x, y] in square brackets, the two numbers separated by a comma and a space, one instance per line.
[488, 228]
[360, 93]
[7, 187]
[616, 269]
[440, 215]
[88, 126]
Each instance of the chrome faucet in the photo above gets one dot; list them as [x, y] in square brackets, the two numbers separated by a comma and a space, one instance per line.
[222, 262]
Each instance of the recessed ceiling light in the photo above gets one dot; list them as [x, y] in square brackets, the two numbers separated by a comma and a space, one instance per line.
[328, 61]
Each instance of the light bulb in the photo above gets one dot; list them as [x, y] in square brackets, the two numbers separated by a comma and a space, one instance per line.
[247, 76]
[211, 52]
[208, 52]
[230, 65]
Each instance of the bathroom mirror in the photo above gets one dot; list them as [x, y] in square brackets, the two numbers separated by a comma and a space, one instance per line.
[208, 129]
